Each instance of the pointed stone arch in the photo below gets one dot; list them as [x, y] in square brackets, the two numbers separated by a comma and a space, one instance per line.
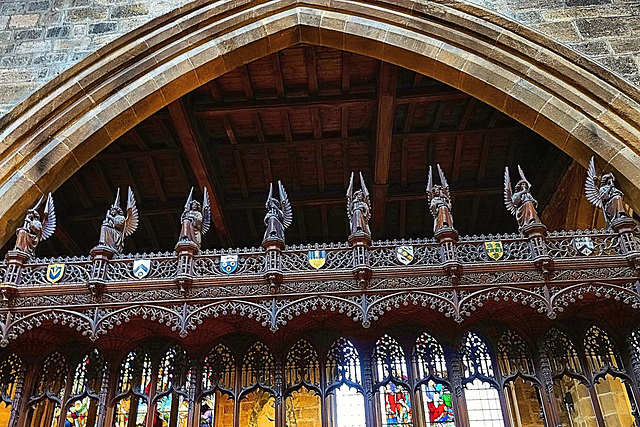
[574, 103]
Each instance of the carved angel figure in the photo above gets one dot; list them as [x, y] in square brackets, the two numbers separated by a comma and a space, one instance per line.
[195, 219]
[116, 226]
[36, 227]
[279, 214]
[520, 203]
[359, 208]
[606, 196]
[439, 198]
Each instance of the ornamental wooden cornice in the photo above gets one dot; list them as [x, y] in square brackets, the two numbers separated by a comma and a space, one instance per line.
[454, 279]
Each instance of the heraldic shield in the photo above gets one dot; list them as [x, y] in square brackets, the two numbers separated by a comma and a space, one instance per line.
[494, 249]
[584, 245]
[55, 272]
[317, 258]
[141, 267]
[404, 254]
[228, 263]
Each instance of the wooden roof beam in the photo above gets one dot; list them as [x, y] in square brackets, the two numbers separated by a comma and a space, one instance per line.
[384, 138]
[193, 151]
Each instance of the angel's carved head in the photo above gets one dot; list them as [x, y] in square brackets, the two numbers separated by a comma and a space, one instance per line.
[436, 190]
[195, 205]
[275, 204]
[523, 185]
[116, 211]
[33, 215]
[359, 196]
[608, 179]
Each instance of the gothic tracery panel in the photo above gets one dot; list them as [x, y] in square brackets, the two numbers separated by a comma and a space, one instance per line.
[599, 350]
[302, 365]
[561, 352]
[514, 355]
[258, 366]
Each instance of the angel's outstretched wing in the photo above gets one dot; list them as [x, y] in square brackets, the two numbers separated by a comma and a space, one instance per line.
[286, 206]
[350, 196]
[131, 221]
[430, 186]
[206, 212]
[49, 219]
[591, 185]
[266, 205]
[187, 205]
[367, 199]
[443, 182]
[508, 192]
[522, 177]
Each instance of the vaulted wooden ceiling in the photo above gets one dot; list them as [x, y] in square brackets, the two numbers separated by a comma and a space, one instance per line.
[308, 116]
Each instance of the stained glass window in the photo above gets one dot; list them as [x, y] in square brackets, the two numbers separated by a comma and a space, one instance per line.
[345, 399]
[514, 355]
[87, 381]
[429, 364]
[438, 407]
[599, 350]
[134, 380]
[394, 398]
[561, 352]
[481, 396]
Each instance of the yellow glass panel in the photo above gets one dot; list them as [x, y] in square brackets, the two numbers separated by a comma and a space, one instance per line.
[257, 409]
[614, 402]
[303, 409]
[524, 406]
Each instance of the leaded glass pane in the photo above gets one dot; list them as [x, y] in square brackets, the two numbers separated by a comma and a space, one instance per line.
[483, 404]
[88, 374]
[172, 410]
[53, 376]
[82, 413]
[130, 411]
[173, 370]
[135, 373]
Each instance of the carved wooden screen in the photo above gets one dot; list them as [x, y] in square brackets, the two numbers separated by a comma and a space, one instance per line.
[88, 378]
[132, 393]
[49, 391]
[10, 369]
[481, 395]
[303, 405]
[599, 350]
[430, 370]
[218, 384]
[345, 400]
[514, 355]
[343, 364]
[390, 372]
[10, 375]
[172, 406]
[258, 367]
[219, 370]
[302, 365]
[561, 352]
[258, 383]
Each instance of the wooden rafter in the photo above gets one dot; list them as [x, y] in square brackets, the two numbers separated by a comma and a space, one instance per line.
[383, 140]
[193, 151]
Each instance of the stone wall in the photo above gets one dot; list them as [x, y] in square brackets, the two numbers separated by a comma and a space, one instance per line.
[41, 38]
